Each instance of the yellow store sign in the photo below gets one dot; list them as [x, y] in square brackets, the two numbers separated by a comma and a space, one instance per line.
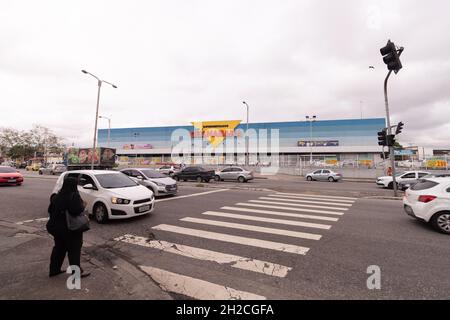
[215, 131]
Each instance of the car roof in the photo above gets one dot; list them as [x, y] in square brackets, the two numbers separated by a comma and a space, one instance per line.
[92, 171]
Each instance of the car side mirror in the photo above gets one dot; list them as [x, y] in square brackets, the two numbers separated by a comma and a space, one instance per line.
[88, 186]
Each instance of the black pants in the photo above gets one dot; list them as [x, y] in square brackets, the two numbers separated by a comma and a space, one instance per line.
[70, 243]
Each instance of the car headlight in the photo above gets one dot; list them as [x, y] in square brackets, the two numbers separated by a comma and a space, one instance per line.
[119, 200]
[159, 184]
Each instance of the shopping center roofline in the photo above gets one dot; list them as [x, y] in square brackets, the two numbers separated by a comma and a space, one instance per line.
[242, 123]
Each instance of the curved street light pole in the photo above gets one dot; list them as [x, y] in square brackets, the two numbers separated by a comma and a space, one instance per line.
[99, 83]
[311, 120]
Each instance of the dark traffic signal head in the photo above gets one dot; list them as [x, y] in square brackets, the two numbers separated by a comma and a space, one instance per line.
[390, 140]
[382, 141]
[391, 57]
[399, 128]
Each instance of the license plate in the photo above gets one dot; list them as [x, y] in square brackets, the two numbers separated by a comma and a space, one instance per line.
[12, 180]
[144, 208]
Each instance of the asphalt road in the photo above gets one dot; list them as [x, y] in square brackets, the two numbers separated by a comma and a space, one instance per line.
[293, 257]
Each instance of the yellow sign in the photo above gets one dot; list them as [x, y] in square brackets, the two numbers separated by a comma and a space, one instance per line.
[436, 163]
[215, 131]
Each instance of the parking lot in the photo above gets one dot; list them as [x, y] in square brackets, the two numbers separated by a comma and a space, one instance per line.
[273, 238]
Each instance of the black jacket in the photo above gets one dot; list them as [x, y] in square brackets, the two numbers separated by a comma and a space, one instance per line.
[59, 203]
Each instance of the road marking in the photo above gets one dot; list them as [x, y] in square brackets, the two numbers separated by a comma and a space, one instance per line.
[306, 201]
[191, 195]
[196, 288]
[285, 208]
[316, 196]
[268, 268]
[279, 221]
[298, 205]
[32, 220]
[309, 198]
[279, 213]
[282, 232]
[234, 239]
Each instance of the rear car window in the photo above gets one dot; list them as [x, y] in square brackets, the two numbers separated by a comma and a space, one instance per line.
[423, 185]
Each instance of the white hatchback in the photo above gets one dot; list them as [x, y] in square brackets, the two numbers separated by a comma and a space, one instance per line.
[110, 194]
[429, 201]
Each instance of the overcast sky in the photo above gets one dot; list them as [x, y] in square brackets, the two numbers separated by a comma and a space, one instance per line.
[186, 60]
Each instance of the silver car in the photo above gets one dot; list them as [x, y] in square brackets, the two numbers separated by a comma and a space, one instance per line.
[168, 170]
[234, 173]
[159, 183]
[53, 169]
[324, 175]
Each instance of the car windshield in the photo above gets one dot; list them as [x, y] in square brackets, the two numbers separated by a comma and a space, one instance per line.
[113, 180]
[153, 174]
[7, 170]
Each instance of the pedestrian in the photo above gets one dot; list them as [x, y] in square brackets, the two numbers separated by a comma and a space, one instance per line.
[389, 171]
[66, 241]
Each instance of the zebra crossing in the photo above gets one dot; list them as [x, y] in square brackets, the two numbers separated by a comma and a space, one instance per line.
[278, 212]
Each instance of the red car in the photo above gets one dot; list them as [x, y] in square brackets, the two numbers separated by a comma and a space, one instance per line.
[10, 176]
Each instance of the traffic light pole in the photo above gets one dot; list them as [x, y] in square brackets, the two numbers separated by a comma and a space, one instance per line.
[389, 132]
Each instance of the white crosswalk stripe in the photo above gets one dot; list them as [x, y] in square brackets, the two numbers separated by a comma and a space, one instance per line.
[196, 288]
[315, 196]
[298, 205]
[234, 239]
[270, 220]
[273, 198]
[310, 198]
[281, 213]
[282, 232]
[234, 261]
[285, 208]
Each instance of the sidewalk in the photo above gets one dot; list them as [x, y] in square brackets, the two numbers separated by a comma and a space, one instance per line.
[24, 265]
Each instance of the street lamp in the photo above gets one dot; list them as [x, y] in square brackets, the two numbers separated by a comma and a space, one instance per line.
[311, 120]
[99, 82]
[246, 138]
[136, 134]
[109, 128]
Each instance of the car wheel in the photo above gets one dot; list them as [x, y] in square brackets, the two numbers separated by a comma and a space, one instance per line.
[52, 173]
[241, 179]
[177, 178]
[40, 172]
[216, 178]
[100, 213]
[199, 179]
[331, 179]
[207, 180]
[309, 178]
[441, 222]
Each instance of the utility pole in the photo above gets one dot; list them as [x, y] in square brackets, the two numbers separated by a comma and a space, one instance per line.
[311, 120]
[247, 161]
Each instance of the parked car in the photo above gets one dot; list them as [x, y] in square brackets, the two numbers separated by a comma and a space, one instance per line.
[387, 181]
[21, 165]
[168, 169]
[407, 184]
[53, 169]
[10, 176]
[110, 194]
[198, 174]
[33, 167]
[159, 183]
[234, 173]
[324, 175]
[429, 201]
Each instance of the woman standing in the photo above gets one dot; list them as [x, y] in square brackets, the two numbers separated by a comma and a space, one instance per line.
[66, 241]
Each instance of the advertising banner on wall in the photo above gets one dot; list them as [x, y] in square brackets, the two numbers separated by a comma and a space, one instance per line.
[215, 132]
[318, 143]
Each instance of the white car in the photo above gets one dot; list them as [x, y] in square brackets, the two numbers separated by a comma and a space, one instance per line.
[387, 181]
[110, 194]
[159, 183]
[429, 201]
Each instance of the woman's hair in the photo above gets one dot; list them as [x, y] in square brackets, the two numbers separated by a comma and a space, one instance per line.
[69, 185]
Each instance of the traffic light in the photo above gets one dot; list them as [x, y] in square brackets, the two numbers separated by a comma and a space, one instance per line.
[399, 128]
[390, 140]
[382, 139]
[391, 57]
